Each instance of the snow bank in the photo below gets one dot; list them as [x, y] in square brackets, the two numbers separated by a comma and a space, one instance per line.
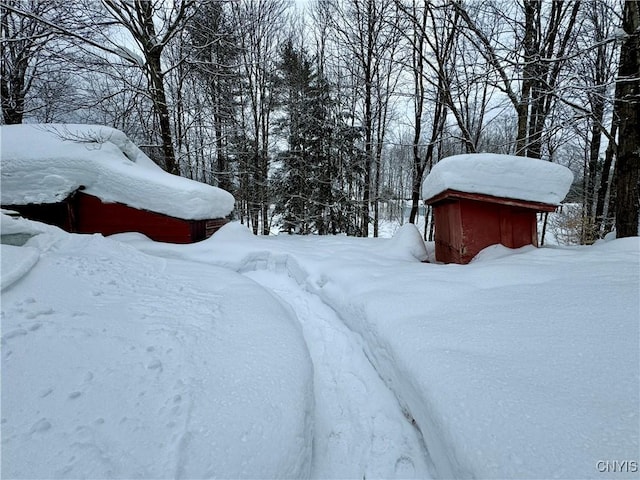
[407, 239]
[62, 158]
[523, 365]
[116, 364]
[500, 176]
[17, 226]
[16, 263]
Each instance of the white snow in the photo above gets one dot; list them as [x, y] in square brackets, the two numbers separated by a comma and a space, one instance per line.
[116, 364]
[505, 176]
[158, 360]
[44, 163]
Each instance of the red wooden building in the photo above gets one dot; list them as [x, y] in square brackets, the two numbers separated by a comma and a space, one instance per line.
[93, 179]
[466, 223]
[84, 213]
[485, 199]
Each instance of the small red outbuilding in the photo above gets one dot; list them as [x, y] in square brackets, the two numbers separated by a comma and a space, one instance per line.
[93, 179]
[84, 213]
[466, 223]
[486, 199]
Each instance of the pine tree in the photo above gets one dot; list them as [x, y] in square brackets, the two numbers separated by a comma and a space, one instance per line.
[314, 184]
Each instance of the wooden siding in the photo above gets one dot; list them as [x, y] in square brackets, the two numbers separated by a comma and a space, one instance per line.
[466, 224]
[449, 195]
[83, 213]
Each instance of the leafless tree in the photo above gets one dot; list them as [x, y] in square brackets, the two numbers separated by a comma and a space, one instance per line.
[367, 33]
[260, 24]
[31, 48]
[152, 24]
[628, 110]
[528, 60]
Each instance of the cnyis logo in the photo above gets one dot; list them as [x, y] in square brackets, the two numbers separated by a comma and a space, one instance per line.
[615, 466]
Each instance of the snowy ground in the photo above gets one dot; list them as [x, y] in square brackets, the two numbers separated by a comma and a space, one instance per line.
[116, 364]
[128, 358]
[360, 431]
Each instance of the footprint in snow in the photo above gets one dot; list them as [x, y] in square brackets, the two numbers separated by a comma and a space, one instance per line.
[46, 392]
[41, 426]
[38, 313]
[155, 365]
[404, 467]
[19, 332]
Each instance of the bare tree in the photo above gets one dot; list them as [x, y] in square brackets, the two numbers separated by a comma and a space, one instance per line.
[260, 24]
[152, 25]
[425, 71]
[30, 50]
[367, 33]
[594, 71]
[628, 110]
[545, 41]
[214, 61]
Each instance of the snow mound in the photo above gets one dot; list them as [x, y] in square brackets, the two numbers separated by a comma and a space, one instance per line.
[504, 176]
[146, 367]
[16, 263]
[233, 231]
[494, 252]
[408, 241]
[62, 158]
[18, 225]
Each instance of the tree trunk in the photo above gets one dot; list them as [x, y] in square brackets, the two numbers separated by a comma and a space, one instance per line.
[528, 75]
[12, 92]
[605, 185]
[628, 106]
[159, 99]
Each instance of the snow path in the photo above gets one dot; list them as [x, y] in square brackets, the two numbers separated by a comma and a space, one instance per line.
[360, 428]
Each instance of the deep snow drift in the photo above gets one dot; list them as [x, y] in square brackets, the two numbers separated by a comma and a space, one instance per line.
[523, 364]
[116, 364]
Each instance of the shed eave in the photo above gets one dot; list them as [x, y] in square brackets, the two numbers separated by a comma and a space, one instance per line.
[452, 195]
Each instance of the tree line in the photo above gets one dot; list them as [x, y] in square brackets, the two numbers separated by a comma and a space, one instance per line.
[324, 117]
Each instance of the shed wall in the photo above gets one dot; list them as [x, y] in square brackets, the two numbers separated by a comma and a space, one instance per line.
[83, 213]
[92, 215]
[463, 227]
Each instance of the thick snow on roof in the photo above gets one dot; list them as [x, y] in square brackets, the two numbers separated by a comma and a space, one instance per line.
[44, 163]
[504, 176]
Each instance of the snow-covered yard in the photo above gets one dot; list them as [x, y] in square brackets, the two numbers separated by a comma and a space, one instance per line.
[328, 357]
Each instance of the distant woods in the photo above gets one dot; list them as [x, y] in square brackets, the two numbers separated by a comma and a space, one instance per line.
[323, 117]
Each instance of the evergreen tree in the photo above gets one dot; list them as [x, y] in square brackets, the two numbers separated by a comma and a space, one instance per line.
[317, 172]
[294, 182]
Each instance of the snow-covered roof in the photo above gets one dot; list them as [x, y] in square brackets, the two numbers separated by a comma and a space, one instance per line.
[44, 163]
[505, 176]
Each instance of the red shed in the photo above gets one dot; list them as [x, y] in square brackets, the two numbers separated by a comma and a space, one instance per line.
[92, 179]
[83, 213]
[485, 199]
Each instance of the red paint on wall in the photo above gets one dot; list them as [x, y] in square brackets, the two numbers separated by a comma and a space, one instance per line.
[467, 223]
[83, 213]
